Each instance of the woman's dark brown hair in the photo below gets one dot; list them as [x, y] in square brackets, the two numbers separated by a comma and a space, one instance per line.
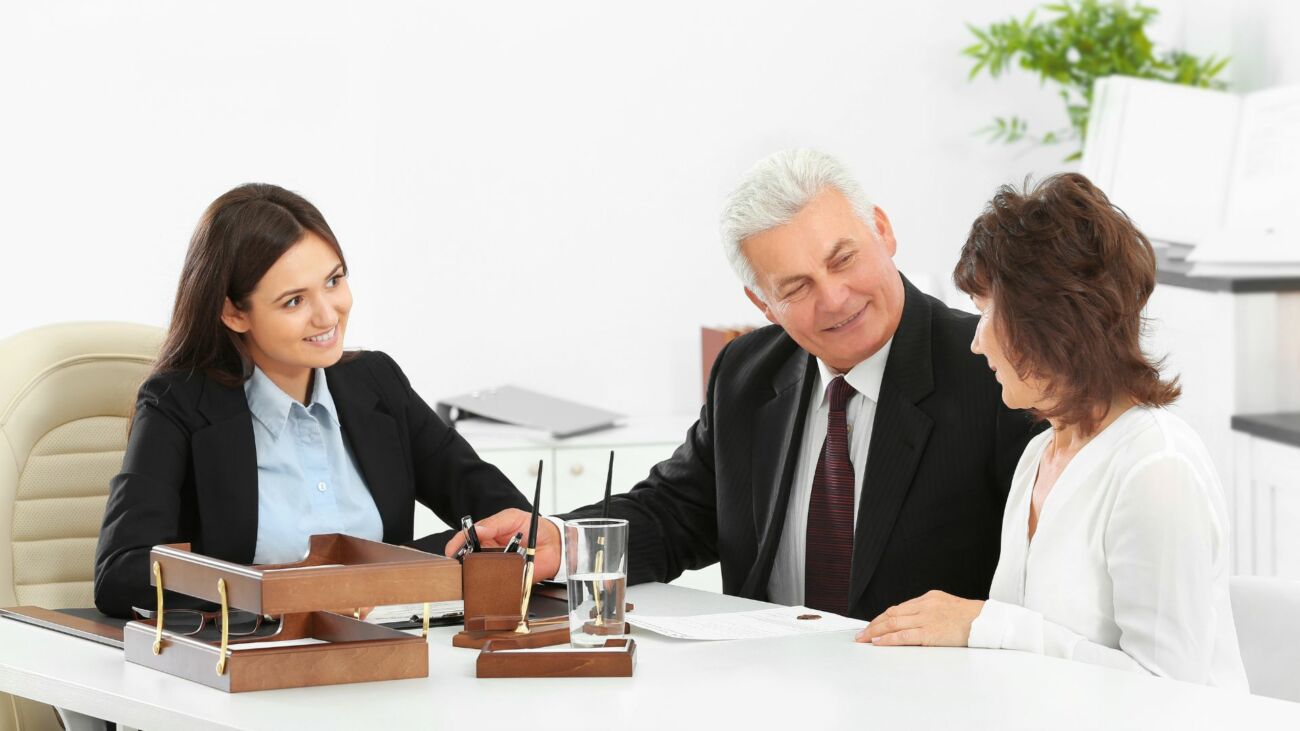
[241, 235]
[1068, 274]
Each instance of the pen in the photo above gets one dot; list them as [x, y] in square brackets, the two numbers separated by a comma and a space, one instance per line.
[522, 628]
[513, 545]
[600, 541]
[609, 483]
[471, 535]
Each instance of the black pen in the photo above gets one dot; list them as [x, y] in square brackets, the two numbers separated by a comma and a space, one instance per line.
[513, 545]
[609, 483]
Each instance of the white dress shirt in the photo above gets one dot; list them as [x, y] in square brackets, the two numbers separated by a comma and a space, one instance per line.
[1128, 566]
[786, 583]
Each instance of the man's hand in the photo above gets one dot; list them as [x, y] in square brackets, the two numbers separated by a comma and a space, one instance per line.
[496, 532]
[935, 618]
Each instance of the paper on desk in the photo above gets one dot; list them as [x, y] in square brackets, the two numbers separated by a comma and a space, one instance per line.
[300, 642]
[404, 612]
[776, 622]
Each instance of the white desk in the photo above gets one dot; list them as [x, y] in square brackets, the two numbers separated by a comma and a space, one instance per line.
[817, 682]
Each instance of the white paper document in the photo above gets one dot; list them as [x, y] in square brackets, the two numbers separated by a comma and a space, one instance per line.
[758, 624]
[404, 612]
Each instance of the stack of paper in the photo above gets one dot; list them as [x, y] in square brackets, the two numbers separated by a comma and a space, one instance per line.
[1203, 168]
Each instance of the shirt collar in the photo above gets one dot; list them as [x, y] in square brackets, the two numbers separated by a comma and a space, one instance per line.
[320, 396]
[271, 406]
[865, 377]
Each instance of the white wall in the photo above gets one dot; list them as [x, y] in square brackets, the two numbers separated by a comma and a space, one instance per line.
[527, 192]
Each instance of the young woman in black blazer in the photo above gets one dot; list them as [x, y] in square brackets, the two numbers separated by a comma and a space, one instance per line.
[263, 294]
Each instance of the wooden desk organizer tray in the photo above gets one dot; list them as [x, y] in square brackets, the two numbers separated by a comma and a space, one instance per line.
[340, 572]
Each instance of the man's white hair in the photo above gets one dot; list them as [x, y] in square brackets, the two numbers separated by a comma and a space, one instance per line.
[774, 191]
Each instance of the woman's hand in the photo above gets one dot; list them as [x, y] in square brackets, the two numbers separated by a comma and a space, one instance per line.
[936, 618]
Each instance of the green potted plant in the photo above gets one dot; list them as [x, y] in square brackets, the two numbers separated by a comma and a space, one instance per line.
[1083, 41]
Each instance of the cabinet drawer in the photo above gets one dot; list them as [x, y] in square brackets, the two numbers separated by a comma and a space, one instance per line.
[520, 467]
[580, 471]
[1274, 471]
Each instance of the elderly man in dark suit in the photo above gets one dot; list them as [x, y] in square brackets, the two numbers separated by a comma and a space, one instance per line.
[850, 456]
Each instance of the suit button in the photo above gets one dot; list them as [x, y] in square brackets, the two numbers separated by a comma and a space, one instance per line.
[320, 486]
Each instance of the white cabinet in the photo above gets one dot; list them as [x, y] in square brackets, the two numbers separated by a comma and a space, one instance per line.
[1234, 353]
[580, 471]
[1268, 481]
[574, 469]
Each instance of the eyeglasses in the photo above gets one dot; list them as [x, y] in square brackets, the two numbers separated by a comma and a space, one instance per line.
[192, 621]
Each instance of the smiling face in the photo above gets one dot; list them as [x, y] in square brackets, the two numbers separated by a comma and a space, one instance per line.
[295, 319]
[1017, 392]
[828, 281]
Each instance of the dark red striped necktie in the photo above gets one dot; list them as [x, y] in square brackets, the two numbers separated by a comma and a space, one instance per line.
[828, 551]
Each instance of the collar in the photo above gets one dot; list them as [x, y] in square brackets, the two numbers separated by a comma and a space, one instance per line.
[271, 406]
[864, 377]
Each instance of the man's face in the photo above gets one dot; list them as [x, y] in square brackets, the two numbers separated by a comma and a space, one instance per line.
[828, 281]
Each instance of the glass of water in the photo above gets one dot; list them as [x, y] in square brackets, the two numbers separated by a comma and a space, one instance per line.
[596, 559]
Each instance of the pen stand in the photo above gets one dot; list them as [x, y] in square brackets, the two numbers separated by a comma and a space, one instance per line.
[310, 644]
[493, 590]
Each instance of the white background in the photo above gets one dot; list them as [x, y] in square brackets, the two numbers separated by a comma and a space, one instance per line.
[526, 192]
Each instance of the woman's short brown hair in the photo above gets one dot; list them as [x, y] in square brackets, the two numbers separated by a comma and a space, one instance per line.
[1068, 275]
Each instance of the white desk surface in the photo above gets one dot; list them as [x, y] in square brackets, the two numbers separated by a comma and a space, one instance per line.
[824, 681]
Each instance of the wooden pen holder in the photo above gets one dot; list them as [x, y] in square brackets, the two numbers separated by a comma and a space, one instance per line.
[493, 586]
[340, 572]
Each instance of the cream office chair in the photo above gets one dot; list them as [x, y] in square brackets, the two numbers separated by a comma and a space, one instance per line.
[1267, 613]
[66, 391]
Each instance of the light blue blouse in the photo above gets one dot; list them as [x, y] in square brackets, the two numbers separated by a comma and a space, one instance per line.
[307, 478]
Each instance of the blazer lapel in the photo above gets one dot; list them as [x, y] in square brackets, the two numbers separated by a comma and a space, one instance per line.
[898, 438]
[373, 435]
[225, 474]
[776, 437]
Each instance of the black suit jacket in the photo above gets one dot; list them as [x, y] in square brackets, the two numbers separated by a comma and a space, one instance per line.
[190, 472]
[943, 449]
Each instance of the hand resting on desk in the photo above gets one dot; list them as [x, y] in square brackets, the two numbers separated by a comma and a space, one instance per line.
[936, 618]
[497, 530]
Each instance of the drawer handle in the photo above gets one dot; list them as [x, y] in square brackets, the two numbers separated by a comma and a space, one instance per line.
[576, 469]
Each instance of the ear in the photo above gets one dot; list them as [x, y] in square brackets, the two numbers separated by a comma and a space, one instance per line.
[761, 305]
[885, 231]
[234, 318]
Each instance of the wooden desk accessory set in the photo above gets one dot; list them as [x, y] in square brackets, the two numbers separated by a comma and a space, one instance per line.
[498, 588]
[315, 645]
[339, 572]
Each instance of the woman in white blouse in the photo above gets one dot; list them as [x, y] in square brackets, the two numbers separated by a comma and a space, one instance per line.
[1115, 534]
